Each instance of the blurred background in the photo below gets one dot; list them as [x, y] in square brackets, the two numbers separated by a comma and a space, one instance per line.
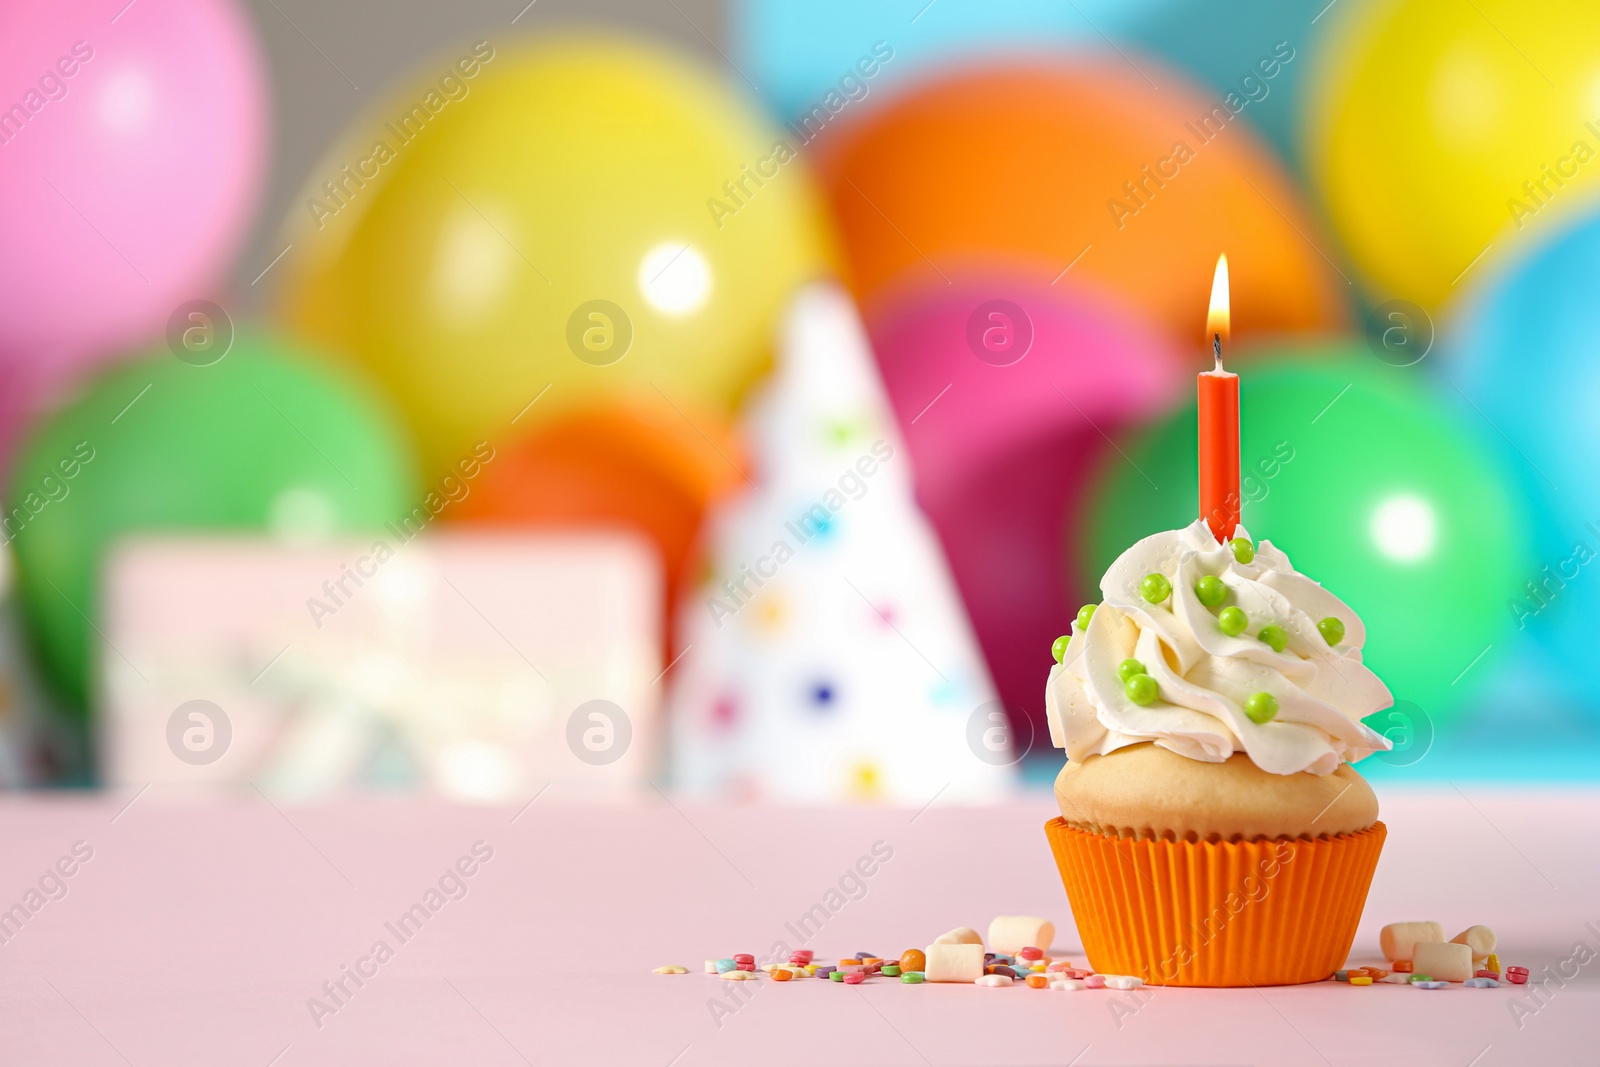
[738, 397]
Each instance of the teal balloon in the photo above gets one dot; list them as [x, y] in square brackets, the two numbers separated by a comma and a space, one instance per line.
[797, 54]
[1375, 485]
[1259, 51]
[1524, 351]
[262, 440]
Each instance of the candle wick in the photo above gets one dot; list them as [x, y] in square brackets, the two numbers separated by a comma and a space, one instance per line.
[1216, 349]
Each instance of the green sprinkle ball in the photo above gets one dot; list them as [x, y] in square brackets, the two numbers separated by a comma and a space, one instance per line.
[1210, 590]
[1243, 550]
[1261, 707]
[1085, 613]
[1274, 638]
[1128, 668]
[1155, 588]
[1233, 621]
[1059, 648]
[1141, 689]
[1331, 629]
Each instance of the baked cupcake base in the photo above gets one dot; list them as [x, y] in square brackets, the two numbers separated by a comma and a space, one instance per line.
[1147, 791]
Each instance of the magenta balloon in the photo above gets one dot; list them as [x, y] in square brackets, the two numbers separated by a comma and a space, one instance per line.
[1002, 448]
[132, 143]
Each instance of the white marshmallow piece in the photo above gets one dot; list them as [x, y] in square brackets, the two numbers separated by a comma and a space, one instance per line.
[966, 935]
[953, 963]
[1123, 981]
[1010, 934]
[994, 980]
[1398, 939]
[1480, 939]
[1070, 985]
[1444, 961]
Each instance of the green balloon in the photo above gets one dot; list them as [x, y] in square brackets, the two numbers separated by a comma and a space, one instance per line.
[261, 440]
[1375, 484]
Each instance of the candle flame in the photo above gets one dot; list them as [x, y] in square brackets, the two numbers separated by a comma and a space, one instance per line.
[1218, 319]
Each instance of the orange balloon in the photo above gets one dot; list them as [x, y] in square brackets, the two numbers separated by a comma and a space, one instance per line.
[640, 463]
[1089, 176]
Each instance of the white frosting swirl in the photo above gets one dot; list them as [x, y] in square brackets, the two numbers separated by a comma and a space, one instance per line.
[1205, 676]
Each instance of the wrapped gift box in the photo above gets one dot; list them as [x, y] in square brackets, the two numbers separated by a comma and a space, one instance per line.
[476, 666]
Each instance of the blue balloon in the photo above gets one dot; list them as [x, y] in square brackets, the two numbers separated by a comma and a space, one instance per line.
[797, 53]
[1261, 51]
[1526, 353]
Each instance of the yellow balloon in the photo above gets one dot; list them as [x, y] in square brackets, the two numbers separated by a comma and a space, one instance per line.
[1441, 131]
[539, 226]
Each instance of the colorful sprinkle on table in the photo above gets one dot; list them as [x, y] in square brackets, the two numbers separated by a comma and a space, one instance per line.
[1032, 967]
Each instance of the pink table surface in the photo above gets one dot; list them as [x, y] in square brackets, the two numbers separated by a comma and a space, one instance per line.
[197, 933]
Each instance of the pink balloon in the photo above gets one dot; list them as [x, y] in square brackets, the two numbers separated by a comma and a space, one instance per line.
[1007, 392]
[132, 143]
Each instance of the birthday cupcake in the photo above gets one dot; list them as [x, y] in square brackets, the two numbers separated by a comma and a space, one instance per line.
[1212, 830]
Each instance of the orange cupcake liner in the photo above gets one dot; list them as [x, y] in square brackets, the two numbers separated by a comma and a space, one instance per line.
[1224, 913]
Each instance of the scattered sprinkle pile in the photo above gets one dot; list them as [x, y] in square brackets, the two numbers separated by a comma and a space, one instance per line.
[1029, 966]
[1420, 956]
